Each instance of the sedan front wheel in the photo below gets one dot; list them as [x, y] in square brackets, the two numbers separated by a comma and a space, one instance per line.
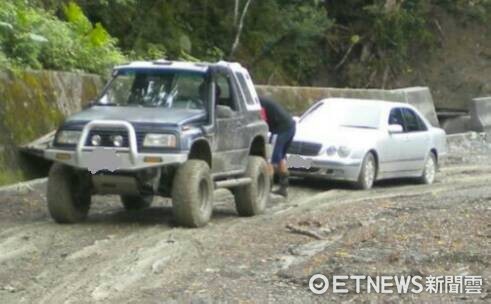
[368, 172]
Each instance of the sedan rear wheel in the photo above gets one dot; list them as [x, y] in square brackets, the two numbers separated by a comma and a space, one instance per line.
[429, 171]
[368, 172]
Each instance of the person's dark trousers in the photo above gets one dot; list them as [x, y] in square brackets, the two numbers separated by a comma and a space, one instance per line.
[283, 142]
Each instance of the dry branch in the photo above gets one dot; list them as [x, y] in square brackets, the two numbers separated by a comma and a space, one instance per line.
[303, 231]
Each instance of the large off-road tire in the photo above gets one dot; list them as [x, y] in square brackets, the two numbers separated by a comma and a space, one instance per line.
[69, 195]
[136, 202]
[192, 194]
[368, 172]
[429, 171]
[253, 198]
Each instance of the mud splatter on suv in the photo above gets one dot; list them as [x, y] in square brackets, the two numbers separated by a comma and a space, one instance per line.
[174, 129]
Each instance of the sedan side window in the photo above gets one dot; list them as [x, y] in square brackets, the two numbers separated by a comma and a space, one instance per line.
[421, 123]
[395, 118]
[413, 122]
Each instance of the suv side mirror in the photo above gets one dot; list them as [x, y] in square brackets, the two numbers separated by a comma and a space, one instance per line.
[224, 111]
[394, 129]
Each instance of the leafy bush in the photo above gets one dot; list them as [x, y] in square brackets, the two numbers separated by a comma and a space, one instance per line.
[33, 37]
[472, 9]
[375, 40]
[359, 42]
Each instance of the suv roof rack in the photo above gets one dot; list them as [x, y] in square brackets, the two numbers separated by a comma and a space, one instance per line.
[162, 62]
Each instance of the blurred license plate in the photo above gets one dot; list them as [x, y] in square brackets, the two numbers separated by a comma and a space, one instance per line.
[297, 161]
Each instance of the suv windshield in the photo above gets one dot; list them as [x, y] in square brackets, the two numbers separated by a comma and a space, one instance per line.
[156, 88]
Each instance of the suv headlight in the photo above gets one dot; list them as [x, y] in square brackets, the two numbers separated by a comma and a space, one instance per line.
[68, 137]
[344, 151]
[160, 141]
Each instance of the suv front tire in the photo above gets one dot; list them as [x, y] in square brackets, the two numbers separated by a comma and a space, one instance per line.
[68, 194]
[192, 194]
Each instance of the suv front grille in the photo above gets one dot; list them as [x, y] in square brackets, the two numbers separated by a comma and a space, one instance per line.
[304, 148]
[106, 137]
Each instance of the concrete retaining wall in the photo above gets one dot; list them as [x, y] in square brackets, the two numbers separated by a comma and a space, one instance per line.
[298, 99]
[33, 103]
[480, 114]
[455, 125]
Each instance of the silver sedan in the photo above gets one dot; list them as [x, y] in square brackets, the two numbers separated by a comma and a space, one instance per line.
[363, 141]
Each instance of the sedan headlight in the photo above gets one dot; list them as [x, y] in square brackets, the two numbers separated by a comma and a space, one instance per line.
[331, 150]
[68, 137]
[344, 151]
[160, 141]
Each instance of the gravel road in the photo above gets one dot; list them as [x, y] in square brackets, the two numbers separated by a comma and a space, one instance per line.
[398, 228]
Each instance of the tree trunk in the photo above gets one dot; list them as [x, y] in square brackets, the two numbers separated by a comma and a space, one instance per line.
[239, 28]
[236, 12]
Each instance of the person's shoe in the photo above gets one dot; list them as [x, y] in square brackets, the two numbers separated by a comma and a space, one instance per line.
[282, 190]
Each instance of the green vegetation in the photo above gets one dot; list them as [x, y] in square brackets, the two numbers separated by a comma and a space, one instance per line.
[301, 42]
[35, 38]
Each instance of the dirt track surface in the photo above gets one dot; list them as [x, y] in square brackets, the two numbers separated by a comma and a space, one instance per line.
[398, 228]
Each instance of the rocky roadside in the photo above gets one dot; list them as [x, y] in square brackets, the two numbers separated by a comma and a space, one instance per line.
[398, 228]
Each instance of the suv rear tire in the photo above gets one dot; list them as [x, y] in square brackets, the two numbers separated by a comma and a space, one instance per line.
[192, 194]
[68, 194]
[136, 202]
[253, 198]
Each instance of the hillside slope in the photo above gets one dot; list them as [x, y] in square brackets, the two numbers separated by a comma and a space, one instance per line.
[459, 69]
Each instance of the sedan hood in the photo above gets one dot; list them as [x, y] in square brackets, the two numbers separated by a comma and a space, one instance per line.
[139, 115]
[336, 135]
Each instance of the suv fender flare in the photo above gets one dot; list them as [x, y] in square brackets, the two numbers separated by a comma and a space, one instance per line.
[200, 149]
[257, 147]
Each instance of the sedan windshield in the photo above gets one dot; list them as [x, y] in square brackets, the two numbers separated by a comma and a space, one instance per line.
[343, 114]
[156, 88]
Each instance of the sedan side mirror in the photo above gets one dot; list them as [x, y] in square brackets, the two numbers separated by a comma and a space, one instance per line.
[394, 129]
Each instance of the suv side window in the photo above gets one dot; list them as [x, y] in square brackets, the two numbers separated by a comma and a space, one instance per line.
[223, 93]
[395, 118]
[243, 85]
[413, 122]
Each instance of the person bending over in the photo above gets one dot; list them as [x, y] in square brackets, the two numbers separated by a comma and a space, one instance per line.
[281, 124]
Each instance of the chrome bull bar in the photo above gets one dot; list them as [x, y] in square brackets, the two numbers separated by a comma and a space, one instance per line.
[132, 142]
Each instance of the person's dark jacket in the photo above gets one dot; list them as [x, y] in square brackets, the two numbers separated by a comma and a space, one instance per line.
[277, 117]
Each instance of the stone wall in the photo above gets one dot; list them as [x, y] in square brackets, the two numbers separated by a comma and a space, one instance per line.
[298, 99]
[33, 103]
